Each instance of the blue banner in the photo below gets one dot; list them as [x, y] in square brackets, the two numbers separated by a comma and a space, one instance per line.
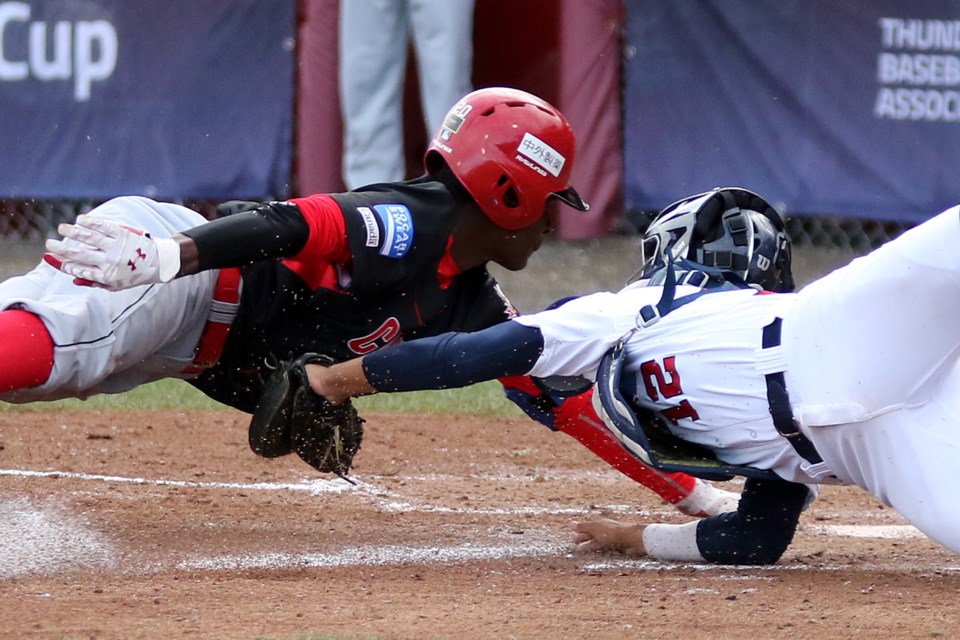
[849, 108]
[172, 99]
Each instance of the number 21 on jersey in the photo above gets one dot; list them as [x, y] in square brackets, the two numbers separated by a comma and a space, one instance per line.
[664, 380]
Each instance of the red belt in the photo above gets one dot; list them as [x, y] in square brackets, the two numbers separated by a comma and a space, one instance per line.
[226, 301]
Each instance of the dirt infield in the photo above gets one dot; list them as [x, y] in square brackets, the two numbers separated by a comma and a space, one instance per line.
[164, 525]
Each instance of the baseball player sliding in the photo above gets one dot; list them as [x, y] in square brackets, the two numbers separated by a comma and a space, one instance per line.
[853, 380]
[232, 304]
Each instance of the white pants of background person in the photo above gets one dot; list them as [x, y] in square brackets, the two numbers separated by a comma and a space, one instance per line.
[374, 35]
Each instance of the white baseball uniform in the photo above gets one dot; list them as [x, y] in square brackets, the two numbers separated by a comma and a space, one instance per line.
[113, 341]
[870, 359]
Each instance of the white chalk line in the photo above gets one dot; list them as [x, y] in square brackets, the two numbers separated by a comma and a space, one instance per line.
[388, 500]
[742, 572]
[45, 538]
[314, 487]
[889, 531]
[380, 556]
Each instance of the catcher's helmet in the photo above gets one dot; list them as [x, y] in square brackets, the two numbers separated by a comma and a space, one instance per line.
[728, 228]
[511, 151]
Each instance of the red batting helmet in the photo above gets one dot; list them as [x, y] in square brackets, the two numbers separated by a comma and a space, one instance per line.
[511, 151]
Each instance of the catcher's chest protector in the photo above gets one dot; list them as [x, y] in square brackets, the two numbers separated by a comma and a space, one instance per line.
[641, 431]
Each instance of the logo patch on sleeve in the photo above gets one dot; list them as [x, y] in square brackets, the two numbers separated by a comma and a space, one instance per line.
[397, 225]
[370, 224]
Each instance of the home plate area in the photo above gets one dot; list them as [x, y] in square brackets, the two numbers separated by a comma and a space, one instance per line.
[163, 524]
[47, 537]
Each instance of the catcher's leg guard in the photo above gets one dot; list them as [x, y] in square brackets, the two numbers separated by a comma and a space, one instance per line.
[577, 418]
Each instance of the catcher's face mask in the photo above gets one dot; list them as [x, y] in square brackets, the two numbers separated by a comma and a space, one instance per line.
[731, 229]
[673, 227]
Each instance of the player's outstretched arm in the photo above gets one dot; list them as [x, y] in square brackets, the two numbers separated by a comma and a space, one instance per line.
[339, 382]
[757, 533]
[605, 534]
[446, 361]
[101, 252]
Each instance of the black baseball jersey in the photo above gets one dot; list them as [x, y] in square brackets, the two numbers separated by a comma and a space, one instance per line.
[398, 234]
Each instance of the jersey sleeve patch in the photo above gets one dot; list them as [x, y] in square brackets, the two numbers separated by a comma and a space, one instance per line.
[388, 227]
[396, 223]
[370, 226]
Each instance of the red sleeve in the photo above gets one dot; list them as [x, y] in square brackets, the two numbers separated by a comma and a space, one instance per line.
[328, 231]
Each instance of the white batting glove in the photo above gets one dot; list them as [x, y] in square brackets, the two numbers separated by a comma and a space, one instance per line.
[109, 255]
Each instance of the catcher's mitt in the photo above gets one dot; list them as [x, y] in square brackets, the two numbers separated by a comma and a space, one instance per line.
[292, 417]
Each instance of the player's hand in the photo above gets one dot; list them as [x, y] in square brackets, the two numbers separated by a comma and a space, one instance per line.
[605, 534]
[100, 252]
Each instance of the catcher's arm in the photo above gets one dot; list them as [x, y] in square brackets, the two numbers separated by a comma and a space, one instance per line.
[340, 382]
[446, 361]
[757, 533]
[609, 535]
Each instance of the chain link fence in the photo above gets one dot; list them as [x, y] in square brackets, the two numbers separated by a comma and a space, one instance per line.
[35, 220]
[850, 234]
